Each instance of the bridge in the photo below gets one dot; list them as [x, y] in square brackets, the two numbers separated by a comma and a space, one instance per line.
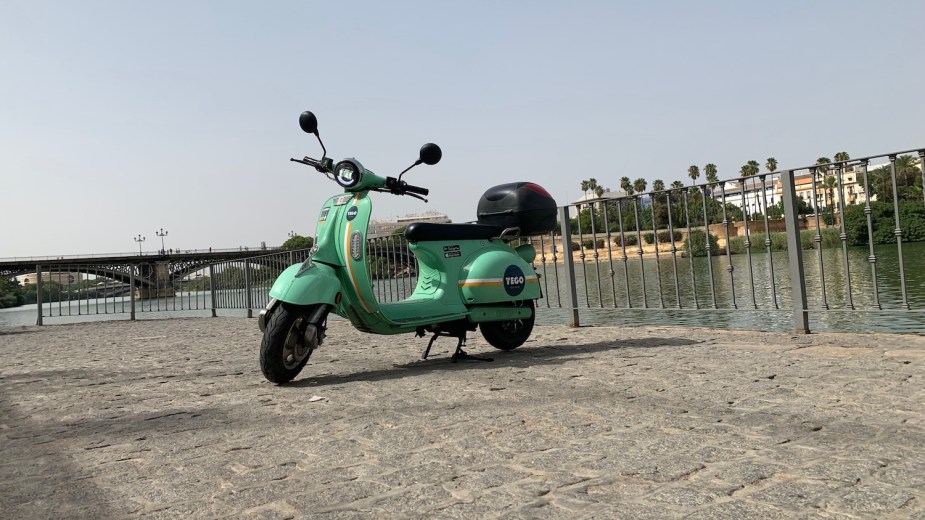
[152, 274]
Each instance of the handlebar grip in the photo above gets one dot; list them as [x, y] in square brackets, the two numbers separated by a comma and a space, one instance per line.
[415, 189]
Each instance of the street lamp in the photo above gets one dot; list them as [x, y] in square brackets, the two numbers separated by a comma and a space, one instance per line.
[162, 234]
[291, 234]
[139, 239]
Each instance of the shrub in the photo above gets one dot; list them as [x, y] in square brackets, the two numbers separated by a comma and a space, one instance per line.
[665, 236]
[649, 238]
[696, 244]
[576, 246]
[628, 240]
[883, 220]
[589, 244]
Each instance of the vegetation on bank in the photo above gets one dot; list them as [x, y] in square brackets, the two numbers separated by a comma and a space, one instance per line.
[883, 224]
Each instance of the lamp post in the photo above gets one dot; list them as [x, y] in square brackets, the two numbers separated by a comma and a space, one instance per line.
[139, 239]
[162, 234]
[291, 234]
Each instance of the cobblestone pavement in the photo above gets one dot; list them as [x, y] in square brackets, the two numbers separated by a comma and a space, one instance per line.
[172, 419]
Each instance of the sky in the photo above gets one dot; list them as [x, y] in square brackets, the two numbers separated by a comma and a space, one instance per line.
[121, 118]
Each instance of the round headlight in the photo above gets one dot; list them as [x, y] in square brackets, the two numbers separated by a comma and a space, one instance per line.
[348, 173]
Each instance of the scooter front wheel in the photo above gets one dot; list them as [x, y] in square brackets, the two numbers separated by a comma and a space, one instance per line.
[289, 340]
[510, 334]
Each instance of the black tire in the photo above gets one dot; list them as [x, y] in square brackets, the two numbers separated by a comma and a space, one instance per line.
[510, 334]
[283, 351]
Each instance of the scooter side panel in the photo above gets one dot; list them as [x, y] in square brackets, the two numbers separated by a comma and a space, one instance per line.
[500, 275]
[306, 284]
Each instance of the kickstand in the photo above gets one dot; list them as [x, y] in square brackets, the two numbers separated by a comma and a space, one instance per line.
[429, 344]
[461, 354]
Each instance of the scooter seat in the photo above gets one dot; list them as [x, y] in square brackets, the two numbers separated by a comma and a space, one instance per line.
[429, 231]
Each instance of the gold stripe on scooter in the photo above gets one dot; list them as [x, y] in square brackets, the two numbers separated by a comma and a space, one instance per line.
[491, 282]
[349, 259]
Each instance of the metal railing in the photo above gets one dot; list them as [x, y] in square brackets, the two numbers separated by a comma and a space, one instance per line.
[85, 290]
[853, 258]
[608, 255]
[245, 284]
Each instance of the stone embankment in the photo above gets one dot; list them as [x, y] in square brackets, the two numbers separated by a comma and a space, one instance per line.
[172, 419]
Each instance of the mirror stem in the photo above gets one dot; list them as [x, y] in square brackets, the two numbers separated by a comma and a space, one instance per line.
[417, 162]
[324, 151]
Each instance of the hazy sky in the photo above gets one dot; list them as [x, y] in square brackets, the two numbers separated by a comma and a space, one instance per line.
[120, 118]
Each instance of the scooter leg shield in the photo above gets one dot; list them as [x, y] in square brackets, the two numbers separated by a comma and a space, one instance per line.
[317, 284]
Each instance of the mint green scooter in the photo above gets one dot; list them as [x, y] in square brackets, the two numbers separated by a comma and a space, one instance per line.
[469, 275]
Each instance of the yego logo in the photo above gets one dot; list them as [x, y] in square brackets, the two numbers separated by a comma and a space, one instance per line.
[514, 280]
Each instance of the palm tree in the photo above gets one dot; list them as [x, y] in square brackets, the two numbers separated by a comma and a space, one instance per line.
[822, 167]
[639, 185]
[592, 184]
[771, 164]
[658, 185]
[744, 172]
[710, 171]
[908, 176]
[626, 185]
[693, 172]
[585, 186]
[842, 156]
[599, 191]
[677, 185]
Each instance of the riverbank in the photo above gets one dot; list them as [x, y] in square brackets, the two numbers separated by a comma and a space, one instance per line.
[168, 418]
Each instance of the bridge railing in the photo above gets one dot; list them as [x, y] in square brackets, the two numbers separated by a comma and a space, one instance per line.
[45, 258]
[87, 291]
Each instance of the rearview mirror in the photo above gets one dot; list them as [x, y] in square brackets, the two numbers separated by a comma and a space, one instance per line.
[309, 123]
[430, 154]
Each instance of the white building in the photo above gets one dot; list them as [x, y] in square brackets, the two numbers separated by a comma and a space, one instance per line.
[381, 228]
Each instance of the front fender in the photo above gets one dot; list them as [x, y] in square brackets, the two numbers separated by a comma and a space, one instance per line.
[316, 284]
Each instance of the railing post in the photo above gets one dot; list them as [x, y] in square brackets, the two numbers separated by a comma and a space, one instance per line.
[212, 288]
[795, 254]
[569, 263]
[38, 294]
[131, 282]
[247, 289]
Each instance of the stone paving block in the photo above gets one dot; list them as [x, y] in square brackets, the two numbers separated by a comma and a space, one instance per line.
[172, 419]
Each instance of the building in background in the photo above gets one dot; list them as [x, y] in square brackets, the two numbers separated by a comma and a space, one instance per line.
[382, 228]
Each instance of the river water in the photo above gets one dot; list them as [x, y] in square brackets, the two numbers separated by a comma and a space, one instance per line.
[602, 298]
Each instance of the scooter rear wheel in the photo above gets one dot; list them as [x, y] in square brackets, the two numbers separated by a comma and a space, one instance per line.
[288, 342]
[510, 334]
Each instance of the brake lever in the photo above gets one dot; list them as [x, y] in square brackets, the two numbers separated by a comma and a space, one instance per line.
[415, 195]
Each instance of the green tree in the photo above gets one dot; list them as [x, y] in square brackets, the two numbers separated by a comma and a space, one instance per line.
[658, 185]
[599, 191]
[298, 242]
[771, 165]
[908, 180]
[693, 172]
[399, 231]
[626, 185]
[639, 185]
[585, 186]
[11, 294]
[710, 172]
[677, 185]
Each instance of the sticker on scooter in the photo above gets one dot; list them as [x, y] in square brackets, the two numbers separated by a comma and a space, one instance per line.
[324, 214]
[451, 251]
[343, 199]
[514, 280]
[352, 213]
[356, 245]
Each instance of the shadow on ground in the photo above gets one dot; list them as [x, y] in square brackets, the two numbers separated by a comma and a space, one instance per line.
[521, 357]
